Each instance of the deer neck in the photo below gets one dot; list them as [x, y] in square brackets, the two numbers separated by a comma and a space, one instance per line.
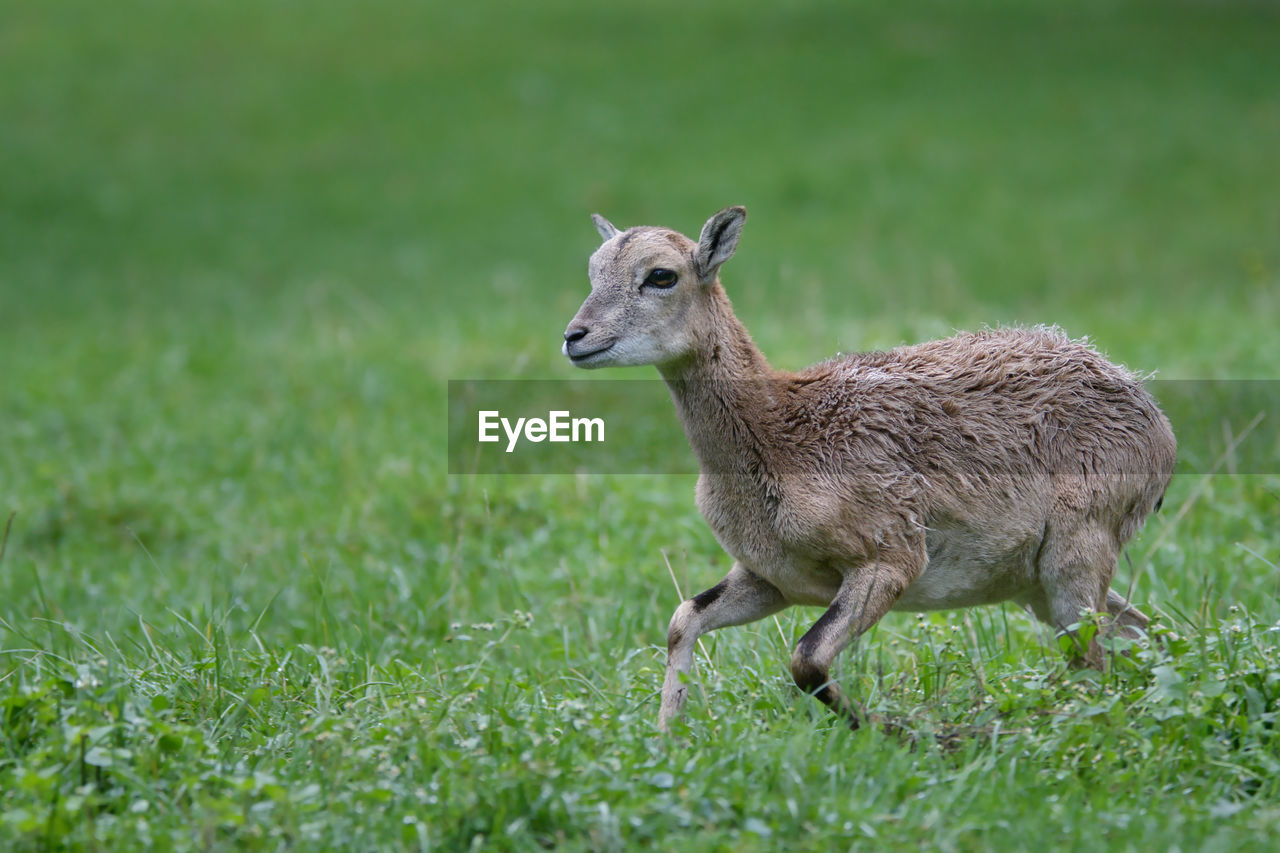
[723, 392]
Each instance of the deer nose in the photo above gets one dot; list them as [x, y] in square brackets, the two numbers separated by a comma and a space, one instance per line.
[575, 333]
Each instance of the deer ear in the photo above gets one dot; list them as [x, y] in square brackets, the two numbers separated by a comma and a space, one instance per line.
[719, 239]
[606, 228]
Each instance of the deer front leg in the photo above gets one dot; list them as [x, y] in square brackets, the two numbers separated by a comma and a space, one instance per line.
[865, 596]
[740, 598]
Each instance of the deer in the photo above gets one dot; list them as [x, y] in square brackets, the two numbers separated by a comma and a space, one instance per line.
[1008, 464]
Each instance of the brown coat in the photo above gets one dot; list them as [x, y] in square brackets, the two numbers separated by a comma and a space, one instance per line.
[1008, 464]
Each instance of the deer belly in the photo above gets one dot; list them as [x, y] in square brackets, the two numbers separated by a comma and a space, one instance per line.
[966, 571]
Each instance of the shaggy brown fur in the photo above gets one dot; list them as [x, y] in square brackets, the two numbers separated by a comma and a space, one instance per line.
[1008, 464]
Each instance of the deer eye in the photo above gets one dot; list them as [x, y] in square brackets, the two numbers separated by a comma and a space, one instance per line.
[661, 278]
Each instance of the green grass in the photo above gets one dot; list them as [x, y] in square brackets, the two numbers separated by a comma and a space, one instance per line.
[243, 247]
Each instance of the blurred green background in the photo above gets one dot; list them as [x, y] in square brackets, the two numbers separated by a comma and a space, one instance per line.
[245, 245]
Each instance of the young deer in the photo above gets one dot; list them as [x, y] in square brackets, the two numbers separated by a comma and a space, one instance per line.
[1009, 464]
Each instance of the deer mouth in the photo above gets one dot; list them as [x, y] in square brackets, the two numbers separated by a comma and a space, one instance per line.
[583, 357]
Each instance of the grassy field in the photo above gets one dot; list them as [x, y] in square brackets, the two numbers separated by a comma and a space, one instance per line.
[244, 246]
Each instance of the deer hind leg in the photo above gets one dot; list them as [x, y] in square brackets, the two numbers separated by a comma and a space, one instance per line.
[739, 598]
[1130, 622]
[1077, 562]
